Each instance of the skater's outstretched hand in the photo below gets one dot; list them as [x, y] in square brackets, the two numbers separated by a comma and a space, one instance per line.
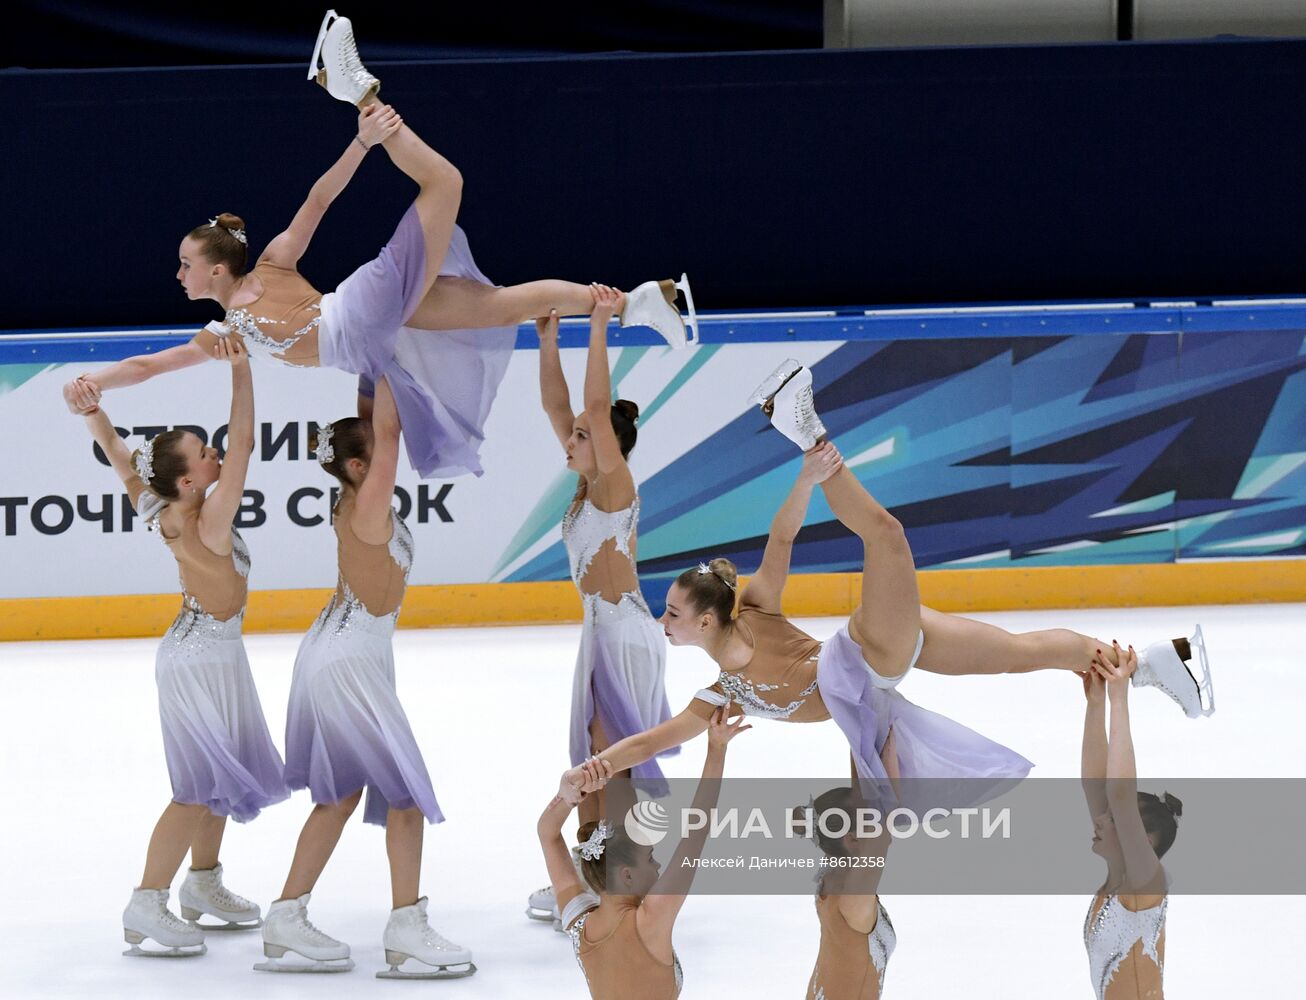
[1116, 675]
[578, 782]
[546, 327]
[81, 395]
[607, 301]
[820, 463]
[377, 123]
[720, 730]
[1094, 686]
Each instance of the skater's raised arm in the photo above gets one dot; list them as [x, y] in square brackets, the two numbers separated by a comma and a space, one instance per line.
[554, 395]
[371, 520]
[598, 394]
[376, 123]
[767, 585]
[633, 750]
[220, 506]
[557, 858]
[1142, 869]
[85, 390]
[1092, 758]
[115, 450]
[662, 904]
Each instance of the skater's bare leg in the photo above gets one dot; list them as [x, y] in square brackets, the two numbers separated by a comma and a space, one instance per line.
[169, 842]
[464, 304]
[956, 645]
[207, 842]
[888, 621]
[317, 840]
[439, 195]
[403, 845]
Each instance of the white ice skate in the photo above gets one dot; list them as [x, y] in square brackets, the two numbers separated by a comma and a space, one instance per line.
[287, 929]
[653, 304]
[148, 916]
[335, 63]
[542, 905]
[1169, 666]
[408, 935]
[786, 397]
[203, 892]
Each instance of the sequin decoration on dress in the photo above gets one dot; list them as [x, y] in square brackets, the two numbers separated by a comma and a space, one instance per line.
[1110, 933]
[259, 343]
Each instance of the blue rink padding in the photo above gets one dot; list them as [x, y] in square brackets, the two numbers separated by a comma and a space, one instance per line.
[1024, 435]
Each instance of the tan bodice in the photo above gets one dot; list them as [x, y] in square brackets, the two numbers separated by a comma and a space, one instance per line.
[619, 966]
[375, 575]
[213, 584]
[779, 682]
[845, 966]
[281, 324]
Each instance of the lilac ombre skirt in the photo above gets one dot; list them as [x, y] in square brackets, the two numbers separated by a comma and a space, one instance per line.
[444, 382]
[620, 678]
[963, 768]
[215, 739]
[345, 728]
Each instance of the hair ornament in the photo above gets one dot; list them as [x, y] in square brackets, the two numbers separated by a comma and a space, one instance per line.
[705, 570]
[145, 461]
[324, 452]
[237, 234]
[593, 848]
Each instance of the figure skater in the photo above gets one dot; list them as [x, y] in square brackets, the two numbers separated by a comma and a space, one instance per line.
[857, 936]
[345, 728]
[851, 677]
[621, 920]
[618, 689]
[221, 759]
[379, 321]
[1124, 930]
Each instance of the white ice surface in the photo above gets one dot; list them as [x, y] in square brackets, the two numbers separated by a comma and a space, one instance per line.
[83, 775]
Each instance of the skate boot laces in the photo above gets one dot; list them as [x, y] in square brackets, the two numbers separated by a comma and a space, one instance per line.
[353, 64]
[314, 936]
[170, 921]
[225, 899]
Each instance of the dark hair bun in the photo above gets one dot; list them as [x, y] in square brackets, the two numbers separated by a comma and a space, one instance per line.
[228, 221]
[1173, 804]
[585, 832]
[627, 409]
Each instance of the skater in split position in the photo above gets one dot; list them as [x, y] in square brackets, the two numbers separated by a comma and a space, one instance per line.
[345, 728]
[1124, 930]
[221, 759]
[618, 689]
[857, 936]
[621, 917]
[380, 321]
[851, 678]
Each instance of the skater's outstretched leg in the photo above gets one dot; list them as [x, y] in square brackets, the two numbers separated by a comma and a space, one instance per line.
[169, 842]
[887, 622]
[317, 841]
[956, 645]
[403, 846]
[463, 304]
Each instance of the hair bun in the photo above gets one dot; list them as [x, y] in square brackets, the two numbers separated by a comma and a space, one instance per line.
[726, 570]
[228, 221]
[586, 831]
[627, 409]
[1173, 804]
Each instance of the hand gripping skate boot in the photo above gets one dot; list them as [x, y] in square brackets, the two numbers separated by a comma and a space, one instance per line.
[335, 63]
[786, 397]
[148, 916]
[653, 304]
[288, 929]
[1169, 666]
[203, 892]
[541, 904]
[408, 935]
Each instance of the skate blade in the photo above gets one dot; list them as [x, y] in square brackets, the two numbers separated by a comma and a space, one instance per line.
[773, 383]
[440, 972]
[317, 46]
[183, 951]
[1205, 689]
[231, 925]
[309, 965]
[691, 321]
[539, 914]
